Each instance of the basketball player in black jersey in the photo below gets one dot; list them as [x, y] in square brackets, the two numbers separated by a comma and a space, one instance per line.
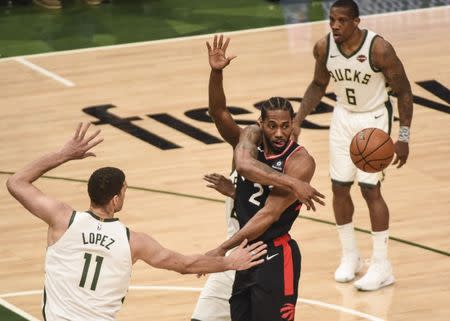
[266, 200]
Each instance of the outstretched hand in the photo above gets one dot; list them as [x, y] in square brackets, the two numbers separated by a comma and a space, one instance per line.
[79, 146]
[308, 194]
[217, 54]
[220, 183]
[245, 257]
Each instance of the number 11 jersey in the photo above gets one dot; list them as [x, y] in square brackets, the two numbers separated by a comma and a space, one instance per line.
[88, 270]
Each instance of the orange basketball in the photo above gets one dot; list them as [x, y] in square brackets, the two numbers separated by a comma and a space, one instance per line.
[372, 150]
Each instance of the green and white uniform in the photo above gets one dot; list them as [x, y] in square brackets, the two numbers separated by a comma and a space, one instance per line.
[212, 304]
[88, 270]
[362, 102]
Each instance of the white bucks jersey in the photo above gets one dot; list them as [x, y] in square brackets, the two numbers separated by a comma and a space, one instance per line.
[87, 271]
[230, 213]
[359, 87]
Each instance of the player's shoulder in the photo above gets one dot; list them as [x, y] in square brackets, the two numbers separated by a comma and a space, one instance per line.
[381, 46]
[300, 156]
[321, 47]
[382, 52]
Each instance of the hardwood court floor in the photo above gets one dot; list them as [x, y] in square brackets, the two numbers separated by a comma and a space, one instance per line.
[170, 77]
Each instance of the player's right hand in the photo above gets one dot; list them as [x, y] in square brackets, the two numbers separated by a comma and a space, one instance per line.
[216, 53]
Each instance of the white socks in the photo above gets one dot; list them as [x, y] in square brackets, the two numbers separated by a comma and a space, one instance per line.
[348, 242]
[380, 245]
[347, 237]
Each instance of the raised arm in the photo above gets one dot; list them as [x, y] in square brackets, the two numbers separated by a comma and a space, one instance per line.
[317, 87]
[20, 185]
[302, 167]
[146, 248]
[247, 165]
[385, 59]
[217, 107]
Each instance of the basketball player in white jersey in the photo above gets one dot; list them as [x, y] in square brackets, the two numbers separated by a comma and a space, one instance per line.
[90, 253]
[212, 304]
[361, 65]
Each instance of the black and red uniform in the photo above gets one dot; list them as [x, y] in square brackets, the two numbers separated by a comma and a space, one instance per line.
[268, 291]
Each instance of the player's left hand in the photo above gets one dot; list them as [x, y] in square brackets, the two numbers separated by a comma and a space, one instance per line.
[401, 153]
[220, 183]
[247, 256]
[79, 146]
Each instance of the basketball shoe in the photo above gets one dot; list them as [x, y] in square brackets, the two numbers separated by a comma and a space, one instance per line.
[378, 275]
[351, 264]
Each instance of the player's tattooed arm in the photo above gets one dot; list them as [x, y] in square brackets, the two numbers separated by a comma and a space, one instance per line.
[316, 89]
[386, 60]
[247, 165]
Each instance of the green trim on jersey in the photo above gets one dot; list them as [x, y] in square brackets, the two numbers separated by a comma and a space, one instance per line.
[128, 233]
[390, 112]
[370, 55]
[357, 50]
[328, 48]
[72, 218]
[43, 306]
[113, 219]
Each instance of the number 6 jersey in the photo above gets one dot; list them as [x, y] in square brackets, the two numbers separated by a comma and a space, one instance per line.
[88, 270]
[358, 85]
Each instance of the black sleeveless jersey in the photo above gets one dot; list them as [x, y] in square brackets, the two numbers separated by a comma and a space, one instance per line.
[251, 197]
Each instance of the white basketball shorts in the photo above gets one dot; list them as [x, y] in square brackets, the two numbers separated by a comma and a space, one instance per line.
[213, 305]
[344, 125]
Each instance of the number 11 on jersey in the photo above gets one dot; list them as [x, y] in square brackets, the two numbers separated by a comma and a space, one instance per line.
[87, 263]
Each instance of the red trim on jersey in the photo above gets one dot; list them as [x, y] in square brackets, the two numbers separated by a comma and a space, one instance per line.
[282, 153]
[293, 152]
[288, 264]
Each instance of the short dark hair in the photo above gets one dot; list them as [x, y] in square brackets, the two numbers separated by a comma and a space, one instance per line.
[351, 5]
[276, 103]
[104, 184]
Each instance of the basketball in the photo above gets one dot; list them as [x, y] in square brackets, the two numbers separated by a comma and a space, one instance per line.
[371, 150]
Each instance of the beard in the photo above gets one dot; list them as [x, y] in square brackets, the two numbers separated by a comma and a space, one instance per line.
[274, 149]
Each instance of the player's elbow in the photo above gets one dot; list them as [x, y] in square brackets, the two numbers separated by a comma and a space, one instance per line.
[12, 184]
[320, 85]
[243, 166]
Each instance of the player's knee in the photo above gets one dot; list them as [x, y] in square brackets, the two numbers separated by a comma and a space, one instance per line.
[370, 192]
[340, 190]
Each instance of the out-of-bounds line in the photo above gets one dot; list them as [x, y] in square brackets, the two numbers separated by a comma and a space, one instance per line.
[18, 311]
[195, 289]
[44, 71]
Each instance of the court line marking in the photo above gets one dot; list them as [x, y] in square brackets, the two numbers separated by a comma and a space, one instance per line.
[44, 71]
[310, 218]
[18, 311]
[195, 289]
[204, 36]
[146, 189]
